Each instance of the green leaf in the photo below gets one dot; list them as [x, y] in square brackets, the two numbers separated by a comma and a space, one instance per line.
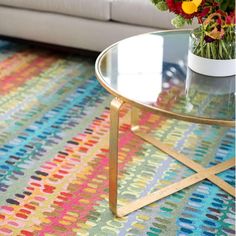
[213, 50]
[227, 53]
[208, 51]
[220, 51]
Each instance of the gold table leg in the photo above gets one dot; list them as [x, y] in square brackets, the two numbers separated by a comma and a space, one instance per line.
[189, 163]
[113, 152]
[201, 172]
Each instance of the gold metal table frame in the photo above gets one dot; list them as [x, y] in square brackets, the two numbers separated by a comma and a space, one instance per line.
[201, 172]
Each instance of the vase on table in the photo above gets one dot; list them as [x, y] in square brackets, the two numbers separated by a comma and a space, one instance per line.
[211, 57]
[211, 69]
[212, 52]
[212, 44]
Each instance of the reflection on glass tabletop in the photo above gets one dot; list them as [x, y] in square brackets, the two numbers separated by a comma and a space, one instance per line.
[151, 70]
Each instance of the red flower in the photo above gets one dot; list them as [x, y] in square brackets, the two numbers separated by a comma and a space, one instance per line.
[230, 19]
[176, 7]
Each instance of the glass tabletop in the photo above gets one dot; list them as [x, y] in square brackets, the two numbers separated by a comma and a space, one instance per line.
[150, 70]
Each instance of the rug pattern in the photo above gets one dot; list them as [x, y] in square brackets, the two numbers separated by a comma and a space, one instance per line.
[54, 123]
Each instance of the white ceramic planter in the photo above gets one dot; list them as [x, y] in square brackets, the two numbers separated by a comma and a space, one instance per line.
[211, 67]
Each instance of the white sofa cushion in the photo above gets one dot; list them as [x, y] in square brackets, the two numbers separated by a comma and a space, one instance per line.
[141, 12]
[93, 9]
[64, 30]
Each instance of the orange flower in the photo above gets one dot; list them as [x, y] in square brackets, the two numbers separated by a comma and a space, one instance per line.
[189, 7]
[213, 26]
[215, 33]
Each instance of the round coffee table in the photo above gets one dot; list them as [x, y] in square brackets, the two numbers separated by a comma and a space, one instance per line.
[150, 72]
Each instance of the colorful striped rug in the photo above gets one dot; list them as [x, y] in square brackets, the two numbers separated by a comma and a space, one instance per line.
[54, 127]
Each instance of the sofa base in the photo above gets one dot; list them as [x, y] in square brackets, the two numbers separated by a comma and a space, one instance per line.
[64, 30]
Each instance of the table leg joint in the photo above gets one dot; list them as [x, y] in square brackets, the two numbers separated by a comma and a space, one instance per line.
[201, 172]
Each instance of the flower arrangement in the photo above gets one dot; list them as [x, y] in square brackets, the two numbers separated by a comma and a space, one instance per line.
[215, 37]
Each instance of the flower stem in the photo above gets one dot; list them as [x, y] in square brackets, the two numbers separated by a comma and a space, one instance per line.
[213, 50]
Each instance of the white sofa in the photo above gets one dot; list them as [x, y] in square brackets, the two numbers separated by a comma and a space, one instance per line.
[85, 24]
